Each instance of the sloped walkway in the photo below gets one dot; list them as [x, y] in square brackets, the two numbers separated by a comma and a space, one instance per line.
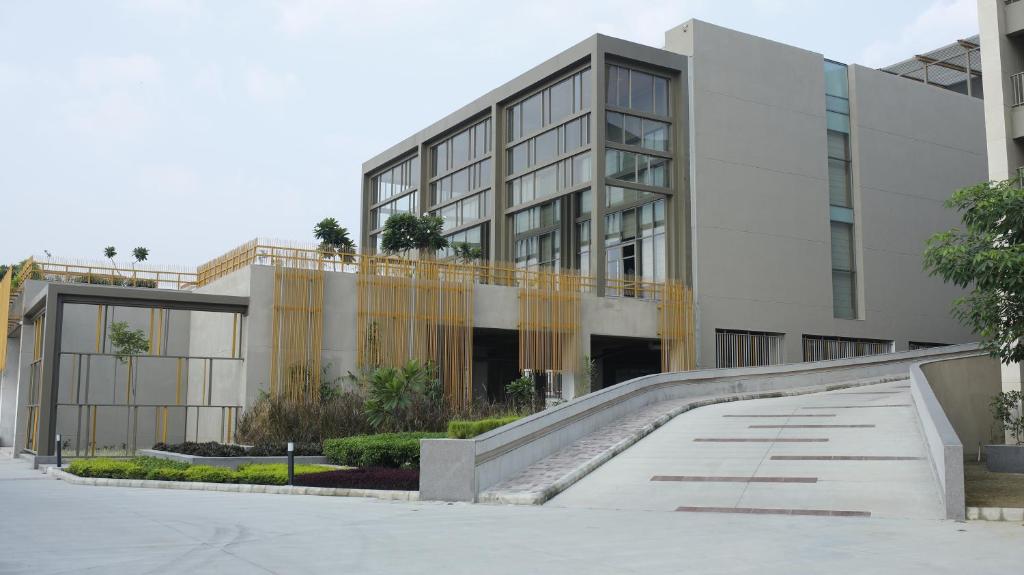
[855, 453]
[552, 475]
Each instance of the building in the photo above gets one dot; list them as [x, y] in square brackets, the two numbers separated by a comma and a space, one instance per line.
[1001, 25]
[722, 201]
[794, 194]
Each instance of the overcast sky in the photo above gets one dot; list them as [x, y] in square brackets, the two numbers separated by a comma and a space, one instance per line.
[190, 127]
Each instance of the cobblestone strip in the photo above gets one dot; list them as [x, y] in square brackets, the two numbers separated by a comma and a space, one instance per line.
[550, 476]
[234, 487]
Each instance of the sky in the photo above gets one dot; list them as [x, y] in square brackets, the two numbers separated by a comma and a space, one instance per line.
[190, 127]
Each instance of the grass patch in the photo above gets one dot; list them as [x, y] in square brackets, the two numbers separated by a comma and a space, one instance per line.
[984, 488]
[163, 470]
[391, 450]
[461, 429]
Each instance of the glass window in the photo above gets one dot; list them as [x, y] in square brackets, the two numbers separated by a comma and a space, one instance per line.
[460, 149]
[836, 80]
[573, 136]
[661, 96]
[581, 169]
[655, 135]
[440, 159]
[561, 100]
[641, 91]
[632, 131]
[518, 158]
[533, 114]
[614, 127]
[514, 124]
[839, 183]
[395, 180]
[842, 246]
[584, 90]
[583, 250]
[584, 202]
[545, 147]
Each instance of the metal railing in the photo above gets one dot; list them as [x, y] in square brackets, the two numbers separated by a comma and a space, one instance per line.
[1017, 85]
[272, 252]
[127, 275]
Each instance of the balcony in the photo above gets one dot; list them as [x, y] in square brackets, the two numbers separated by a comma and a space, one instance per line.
[1014, 17]
[1016, 102]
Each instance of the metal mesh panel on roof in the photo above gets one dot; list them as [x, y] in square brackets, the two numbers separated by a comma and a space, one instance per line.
[955, 67]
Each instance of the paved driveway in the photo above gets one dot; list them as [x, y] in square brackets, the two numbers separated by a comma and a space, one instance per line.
[854, 452]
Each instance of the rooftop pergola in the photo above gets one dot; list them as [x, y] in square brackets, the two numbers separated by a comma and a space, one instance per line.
[949, 67]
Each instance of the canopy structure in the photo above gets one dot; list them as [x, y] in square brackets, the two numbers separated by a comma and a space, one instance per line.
[955, 67]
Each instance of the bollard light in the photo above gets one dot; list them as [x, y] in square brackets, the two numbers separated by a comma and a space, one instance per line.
[291, 463]
[58, 451]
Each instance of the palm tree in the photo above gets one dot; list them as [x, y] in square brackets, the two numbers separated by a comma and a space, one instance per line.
[140, 254]
[334, 240]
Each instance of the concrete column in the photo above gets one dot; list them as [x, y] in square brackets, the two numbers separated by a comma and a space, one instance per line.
[597, 132]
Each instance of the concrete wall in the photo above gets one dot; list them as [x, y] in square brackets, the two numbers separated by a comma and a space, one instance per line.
[461, 469]
[964, 387]
[945, 451]
[762, 257]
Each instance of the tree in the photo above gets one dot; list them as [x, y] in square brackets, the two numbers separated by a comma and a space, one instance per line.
[140, 254]
[987, 257]
[110, 252]
[467, 253]
[334, 240]
[404, 232]
[127, 342]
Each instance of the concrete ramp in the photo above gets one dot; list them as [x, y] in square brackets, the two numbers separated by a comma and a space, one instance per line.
[856, 452]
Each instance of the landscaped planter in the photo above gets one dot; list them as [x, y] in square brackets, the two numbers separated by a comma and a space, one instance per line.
[1005, 458]
[232, 462]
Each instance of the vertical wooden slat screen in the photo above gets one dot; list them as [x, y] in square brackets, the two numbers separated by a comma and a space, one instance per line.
[297, 332]
[418, 309]
[676, 327]
[549, 322]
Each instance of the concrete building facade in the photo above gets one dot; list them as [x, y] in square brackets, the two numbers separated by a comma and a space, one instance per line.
[798, 192]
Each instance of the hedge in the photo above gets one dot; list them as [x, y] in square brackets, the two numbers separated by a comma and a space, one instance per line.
[461, 429]
[374, 478]
[164, 470]
[214, 449]
[381, 450]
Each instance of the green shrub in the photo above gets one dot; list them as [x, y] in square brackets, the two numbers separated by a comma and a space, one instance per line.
[459, 429]
[382, 450]
[104, 467]
[210, 474]
[274, 473]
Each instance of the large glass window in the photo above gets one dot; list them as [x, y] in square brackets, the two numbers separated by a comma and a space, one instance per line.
[633, 167]
[549, 106]
[464, 147]
[637, 90]
[635, 131]
[537, 236]
[547, 146]
[475, 239]
[548, 181]
[405, 204]
[843, 292]
[635, 247]
[397, 179]
[473, 208]
[839, 177]
[467, 180]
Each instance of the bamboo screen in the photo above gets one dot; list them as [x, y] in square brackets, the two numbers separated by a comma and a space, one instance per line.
[297, 332]
[676, 328]
[422, 310]
[5, 306]
[549, 323]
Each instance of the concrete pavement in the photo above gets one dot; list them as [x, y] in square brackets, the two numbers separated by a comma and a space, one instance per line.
[48, 526]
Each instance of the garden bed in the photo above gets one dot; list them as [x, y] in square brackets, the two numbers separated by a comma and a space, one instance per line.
[407, 479]
[157, 469]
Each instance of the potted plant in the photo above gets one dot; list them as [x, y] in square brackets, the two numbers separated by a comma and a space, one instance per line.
[1008, 409]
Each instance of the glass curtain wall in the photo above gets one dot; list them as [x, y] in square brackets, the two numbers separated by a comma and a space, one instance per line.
[548, 166]
[393, 190]
[460, 185]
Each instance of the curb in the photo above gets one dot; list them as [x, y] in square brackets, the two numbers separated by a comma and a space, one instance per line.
[995, 513]
[235, 487]
[566, 481]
